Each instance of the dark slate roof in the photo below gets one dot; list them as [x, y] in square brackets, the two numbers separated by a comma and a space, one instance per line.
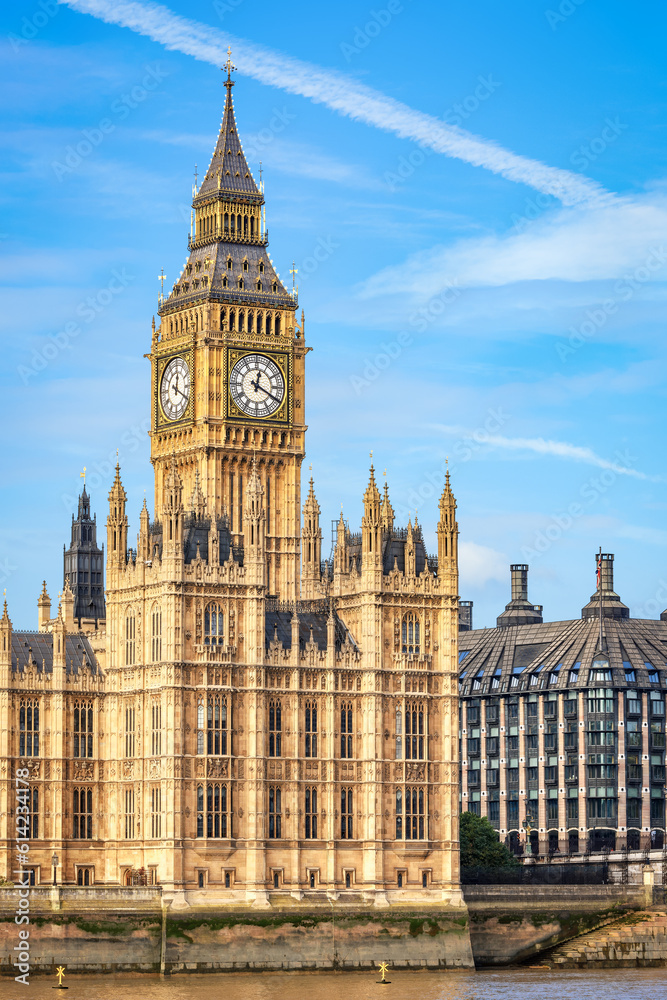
[279, 622]
[37, 648]
[229, 161]
[538, 657]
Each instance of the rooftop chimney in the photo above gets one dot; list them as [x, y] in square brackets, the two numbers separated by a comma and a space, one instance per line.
[612, 606]
[465, 616]
[519, 611]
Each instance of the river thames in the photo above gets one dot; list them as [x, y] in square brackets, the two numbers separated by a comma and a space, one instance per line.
[529, 984]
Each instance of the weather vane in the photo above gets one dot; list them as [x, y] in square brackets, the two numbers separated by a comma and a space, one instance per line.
[161, 276]
[82, 475]
[293, 271]
[228, 65]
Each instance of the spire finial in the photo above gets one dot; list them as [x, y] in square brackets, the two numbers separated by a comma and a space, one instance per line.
[229, 67]
[82, 475]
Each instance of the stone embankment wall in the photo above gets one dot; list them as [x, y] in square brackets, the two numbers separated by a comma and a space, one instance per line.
[90, 935]
[510, 924]
[638, 939]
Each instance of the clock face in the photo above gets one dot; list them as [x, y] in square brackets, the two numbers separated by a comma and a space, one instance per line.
[257, 385]
[175, 389]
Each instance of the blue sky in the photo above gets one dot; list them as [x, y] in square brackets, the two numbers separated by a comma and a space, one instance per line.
[474, 194]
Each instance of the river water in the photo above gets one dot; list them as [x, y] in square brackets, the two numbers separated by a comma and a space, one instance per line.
[506, 984]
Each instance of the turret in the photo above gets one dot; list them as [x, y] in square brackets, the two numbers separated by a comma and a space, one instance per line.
[5, 648]
[117, 525]
[386, 512]
[371, 533]
[254, 530]
[448, 534]
[311, 535]
[143, 540]
[43, 610]
[59, 633]
[67, 604]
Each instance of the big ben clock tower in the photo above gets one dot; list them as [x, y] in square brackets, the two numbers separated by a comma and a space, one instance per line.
[228, 364]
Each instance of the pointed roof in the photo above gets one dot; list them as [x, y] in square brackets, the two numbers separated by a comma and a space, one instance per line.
[372, 494]
[117, 492]
[228, 173]
[197, 500]
[447, 499]
[311, 504]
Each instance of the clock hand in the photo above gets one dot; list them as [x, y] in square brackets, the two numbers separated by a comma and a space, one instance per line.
[270, 394]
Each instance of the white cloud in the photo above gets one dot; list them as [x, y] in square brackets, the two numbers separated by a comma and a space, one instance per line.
[479, 564]
[555, 449]
[587, 244]
[342, 94]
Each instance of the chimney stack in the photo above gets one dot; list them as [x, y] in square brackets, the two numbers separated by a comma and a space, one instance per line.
[519, 573]
[465, 616]
[612, 605]
[519, 611]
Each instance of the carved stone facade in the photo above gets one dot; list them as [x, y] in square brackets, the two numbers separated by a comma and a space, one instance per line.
[250, 722]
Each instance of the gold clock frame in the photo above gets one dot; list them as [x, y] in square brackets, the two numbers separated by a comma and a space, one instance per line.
[161, 419]
[283, 415]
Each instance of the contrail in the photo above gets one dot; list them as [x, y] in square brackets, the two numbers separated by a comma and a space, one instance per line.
[342, 94]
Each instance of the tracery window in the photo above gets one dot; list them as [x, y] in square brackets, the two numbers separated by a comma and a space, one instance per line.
[275, 729]
[156, 728]
[346, 813]
[130, 638]
[414, 731]
[275, 812]
[346, 730]
[213, 625]
[216, 725]
[130, 724]
[82, 813]
[311, 813]
[29, 728]
[311, 729]
[156, 634]
[214, 810]
[411, 807]
[83, 729]
[410, 633]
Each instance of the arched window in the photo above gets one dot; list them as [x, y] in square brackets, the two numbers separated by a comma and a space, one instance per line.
[275, 812]
[277, 326]
[130, 638]
[238, 224]
[346, 720]
[414, 731]
[240, 282]
[156, 634]
[223, 317]
[259, 288]
[399, 734]
[346, 813]
[267, 328]
[241, 314]
[311, 813]
[130, 723]
[245, 262]
[245, 232]
[275, 729]
[232, 320]
[261, 267]
[200, 726]
[410, 633]
[156, 728]
[226, 222]
[252, 226]
[251, 322]
[29, 728]
[216, 725]
[213, 625]
[83, 729]
[82, 814]
[311, 729]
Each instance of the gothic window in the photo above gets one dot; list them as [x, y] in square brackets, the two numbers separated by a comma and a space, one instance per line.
[275, 729]
[27, 809]
[252, 226]
[238, 224]
[156, 813]
[130, 722]
[267, 327]
[83, 729]
[245, 262]
[216, 725]
[399, 734]
[277, 326]
[346, 719]
[414, 732]
[241, 314]
[311, 813]
[223, 317]
[156, 729]
[232, 320]
[346, 813]
[227, 227]
[245, 233]
[259, 288]
[275, 812]
[217, 811]
[311, 729]
[213, 625]
[410, 633]
[129, 813]
[29, 728]
[410, 812]
[200, 726]
[82, 813]
[130, 638]
[275, 286]
[224, 282]
[200, 810]
[156, 634]
[251, 322]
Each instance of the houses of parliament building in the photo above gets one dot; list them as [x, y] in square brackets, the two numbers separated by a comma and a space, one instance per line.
[216, 709]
